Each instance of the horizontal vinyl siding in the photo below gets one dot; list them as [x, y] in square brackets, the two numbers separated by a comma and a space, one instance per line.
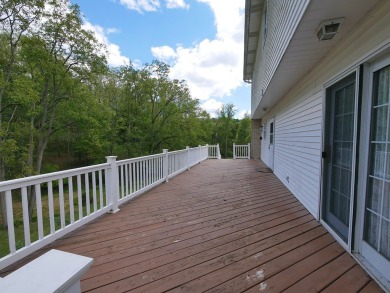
[298, 147]
[298, 116]
[283, 17]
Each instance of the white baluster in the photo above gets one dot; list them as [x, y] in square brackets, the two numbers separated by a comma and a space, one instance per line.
[61, 200]
[51, 206]
[26, 220]
[71, 203]
[39, 211]
[10, 220]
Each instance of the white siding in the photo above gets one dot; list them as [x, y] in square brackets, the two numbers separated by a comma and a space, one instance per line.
[297, 147]
[282, 18]
[298, 117]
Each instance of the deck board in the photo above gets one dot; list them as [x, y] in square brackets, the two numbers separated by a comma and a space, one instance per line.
[219, 227]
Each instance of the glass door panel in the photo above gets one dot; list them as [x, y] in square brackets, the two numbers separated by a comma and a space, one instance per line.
[339, 157]
[377, 212]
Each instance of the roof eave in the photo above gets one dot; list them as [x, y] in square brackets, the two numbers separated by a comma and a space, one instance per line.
[251, 36]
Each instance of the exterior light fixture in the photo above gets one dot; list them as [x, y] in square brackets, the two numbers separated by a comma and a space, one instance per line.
[328, 29]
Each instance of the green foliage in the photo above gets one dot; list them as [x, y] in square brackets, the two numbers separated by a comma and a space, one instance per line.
[243, 135]
[62, 106]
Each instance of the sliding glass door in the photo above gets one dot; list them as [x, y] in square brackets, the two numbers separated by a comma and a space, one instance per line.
[340, 144]
[376, 230]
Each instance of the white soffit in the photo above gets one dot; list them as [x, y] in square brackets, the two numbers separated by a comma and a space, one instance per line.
[253, 19]
[305, 50]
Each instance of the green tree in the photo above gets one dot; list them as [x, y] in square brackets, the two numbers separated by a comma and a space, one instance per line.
[58, 59]
[243, 135]
[16, 19]
[225, 129]
[153, 112]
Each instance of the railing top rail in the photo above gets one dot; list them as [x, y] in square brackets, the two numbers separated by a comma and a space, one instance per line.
[37, 179]
[138, 159]
[177, 152]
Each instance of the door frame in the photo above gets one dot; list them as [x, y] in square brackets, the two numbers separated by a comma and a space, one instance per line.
[271, 153]
[365, 253]
[323, 176]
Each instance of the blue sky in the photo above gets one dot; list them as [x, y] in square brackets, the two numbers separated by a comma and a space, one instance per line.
[202, 41]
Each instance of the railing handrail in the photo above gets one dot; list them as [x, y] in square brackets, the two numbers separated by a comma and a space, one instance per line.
[103, 187]
[178, 152]
[137, 159]
[42, 178]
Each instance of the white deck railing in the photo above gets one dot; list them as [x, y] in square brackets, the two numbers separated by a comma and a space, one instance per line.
[68, 199]
[214, 152]
[242, 151]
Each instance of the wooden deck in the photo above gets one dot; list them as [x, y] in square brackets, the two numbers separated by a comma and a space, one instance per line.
[220, 227]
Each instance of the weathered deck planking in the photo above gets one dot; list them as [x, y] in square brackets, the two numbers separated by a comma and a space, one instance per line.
[220, 227]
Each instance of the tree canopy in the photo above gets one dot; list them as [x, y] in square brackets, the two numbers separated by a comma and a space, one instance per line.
[62, 106]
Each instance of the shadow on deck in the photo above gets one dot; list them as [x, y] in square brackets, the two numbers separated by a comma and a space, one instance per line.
[220, 227]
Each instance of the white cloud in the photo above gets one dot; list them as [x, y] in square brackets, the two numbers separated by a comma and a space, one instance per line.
[114, 55]
[212, 106]
[112, 30]
[242, 114]
[141, 5]
[137, 64]
[212, 68]
[229, 18]
[164, 53]
[177, 4]
[153, 5]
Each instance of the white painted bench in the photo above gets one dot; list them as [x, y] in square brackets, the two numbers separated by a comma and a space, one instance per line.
[55, 271]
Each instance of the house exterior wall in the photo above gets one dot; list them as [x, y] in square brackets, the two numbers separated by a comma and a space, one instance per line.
[298, 116]
[281, 19]
[297, 148]
[255, 139]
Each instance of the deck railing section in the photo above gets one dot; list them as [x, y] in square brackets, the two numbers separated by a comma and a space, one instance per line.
[66, 200]
[214, 152]
[137, 175]
[242, 151]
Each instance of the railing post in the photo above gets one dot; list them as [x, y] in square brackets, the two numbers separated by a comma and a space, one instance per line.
[188, 157]
[218, 152]
[234, 151]
[200, 153]
[113, 190]
[249, 151]
[165, 165]
[207, 150]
